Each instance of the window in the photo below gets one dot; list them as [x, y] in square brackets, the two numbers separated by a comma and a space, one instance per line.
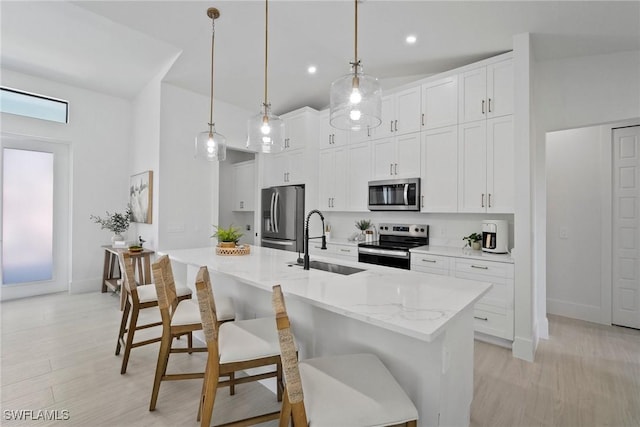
[27, 104]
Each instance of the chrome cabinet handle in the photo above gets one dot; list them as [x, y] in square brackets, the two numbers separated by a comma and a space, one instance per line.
[489, 104]
[480, 318]
[345, 250]
[481, 267]
[368, 132]
[483, 106]
[482, 202]
[422, 119]
[422, 201]
[429, 260]
[396, 126]
[489, 199]
[396, 169]
[390, 168]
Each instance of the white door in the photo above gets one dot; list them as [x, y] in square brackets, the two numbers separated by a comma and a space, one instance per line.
[500, 89]
[472, 95]
[359, 174]
[440, 103]
[326, 182]
[626, 227]
[472, 167]
[407, 156]
[35, 217]
[500, 171]
[384, 158]
[407, 111]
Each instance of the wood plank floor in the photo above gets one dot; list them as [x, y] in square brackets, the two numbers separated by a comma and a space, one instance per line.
[58, 354]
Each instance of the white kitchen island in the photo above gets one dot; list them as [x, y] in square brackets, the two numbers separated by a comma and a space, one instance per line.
[420, 325]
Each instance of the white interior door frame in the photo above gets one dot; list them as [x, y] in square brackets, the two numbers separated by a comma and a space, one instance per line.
[606, 228]
[61, 215]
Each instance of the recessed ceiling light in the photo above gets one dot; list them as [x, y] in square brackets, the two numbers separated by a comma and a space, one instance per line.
[312, 69]
[411, 39]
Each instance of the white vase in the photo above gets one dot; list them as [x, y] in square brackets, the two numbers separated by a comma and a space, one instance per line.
[117, 237]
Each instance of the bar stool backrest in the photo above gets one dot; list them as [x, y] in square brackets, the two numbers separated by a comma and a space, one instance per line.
[165, 285]
[208, 312]
[128, 276]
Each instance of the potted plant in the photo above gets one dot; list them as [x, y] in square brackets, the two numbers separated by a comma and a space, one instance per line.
[116, 222]
[363, 225]
[227, 237]
[473, 240]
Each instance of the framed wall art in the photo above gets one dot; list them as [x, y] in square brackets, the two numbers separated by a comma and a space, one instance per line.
[141, 196]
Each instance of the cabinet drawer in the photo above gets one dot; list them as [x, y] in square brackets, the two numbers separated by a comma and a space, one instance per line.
[491, 323]
[344, 250]
[484, 268]
[429, 261]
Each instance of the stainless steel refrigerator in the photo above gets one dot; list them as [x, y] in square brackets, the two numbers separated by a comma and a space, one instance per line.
[283, 217]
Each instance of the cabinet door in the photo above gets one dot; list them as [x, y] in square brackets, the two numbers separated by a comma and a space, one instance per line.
[440, 103]
[295, 131]
[325, 184]
[408, 157]
[359, 175]
[244, 186]
[329, 136]
[439, 185]
[472, 167]
[339, 199]
[384, 158]
[500, 89]
[294, 172]
[407, 117]
[274, 169]
[500, 169]
[472, 95]
[388, 116]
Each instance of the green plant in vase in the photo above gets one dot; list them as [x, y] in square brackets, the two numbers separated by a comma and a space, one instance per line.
[473, 240]
[363, 225]
[116, 222]
[227, 237]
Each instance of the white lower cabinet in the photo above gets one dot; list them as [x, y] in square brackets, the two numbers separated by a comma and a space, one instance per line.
[348, 252]
[494, 313]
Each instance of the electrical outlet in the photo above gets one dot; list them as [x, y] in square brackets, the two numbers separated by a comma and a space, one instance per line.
[563, 233]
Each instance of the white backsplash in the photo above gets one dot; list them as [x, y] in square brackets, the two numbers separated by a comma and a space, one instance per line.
[444, 229]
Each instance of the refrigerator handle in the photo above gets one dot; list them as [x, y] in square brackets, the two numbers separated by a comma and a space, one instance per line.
[271, 222]
[275, 212]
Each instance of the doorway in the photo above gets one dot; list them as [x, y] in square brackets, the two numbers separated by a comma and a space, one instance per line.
[34, 217]
[626, 227]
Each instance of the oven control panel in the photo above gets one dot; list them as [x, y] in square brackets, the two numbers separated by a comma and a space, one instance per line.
[409, 230]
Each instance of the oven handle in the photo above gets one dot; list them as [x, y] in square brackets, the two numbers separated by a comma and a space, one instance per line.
[385, 252]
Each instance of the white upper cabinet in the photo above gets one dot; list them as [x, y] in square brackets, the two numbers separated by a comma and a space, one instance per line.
[330, 137]
[244, 186]
[440, 103]
[300, 128]
[397, 157]
[358, 176]
[439, 183]
[400, 113]
[485, 166]
[284, 168]
[333, 173]
[486, 92]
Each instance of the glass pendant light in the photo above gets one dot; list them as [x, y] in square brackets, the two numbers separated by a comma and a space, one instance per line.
[210, 145]
[265, 131]
[355, 98]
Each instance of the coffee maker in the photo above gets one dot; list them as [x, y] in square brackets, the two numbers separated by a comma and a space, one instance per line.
[495, 236]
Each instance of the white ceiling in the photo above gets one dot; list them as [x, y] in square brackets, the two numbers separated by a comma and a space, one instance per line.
[118, 46]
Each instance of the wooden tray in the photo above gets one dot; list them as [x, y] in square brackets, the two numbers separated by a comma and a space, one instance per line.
[238, 250]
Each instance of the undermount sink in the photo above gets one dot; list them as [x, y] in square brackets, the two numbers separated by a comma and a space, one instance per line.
[332, 268]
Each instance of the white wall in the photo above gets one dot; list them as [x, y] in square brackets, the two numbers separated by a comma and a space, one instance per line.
[573, 223]
[99, 134]
[188, 188]
[571, 93]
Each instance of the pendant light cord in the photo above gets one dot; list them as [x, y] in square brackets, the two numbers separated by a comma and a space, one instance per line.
[266, 51]
[213, 35]
[356, 36]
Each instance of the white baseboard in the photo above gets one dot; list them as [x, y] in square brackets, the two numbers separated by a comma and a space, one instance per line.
[589, 313]
[87, 285]
[543, 328]
[524, 349]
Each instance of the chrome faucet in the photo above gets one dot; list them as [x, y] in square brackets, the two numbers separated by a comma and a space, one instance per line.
[307, 238]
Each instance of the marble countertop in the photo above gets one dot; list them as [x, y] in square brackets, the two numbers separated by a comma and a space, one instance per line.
[462, 253]
[415, 304]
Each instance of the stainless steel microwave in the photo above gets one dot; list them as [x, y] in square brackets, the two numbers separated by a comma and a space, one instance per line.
[394, 195]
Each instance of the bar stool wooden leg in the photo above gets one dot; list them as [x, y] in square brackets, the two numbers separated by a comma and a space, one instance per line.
[130, 333]
[285, 412]
[161, 368]
[211, 379]
[123, 326]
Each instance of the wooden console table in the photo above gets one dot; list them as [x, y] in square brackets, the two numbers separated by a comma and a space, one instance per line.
[112, 274]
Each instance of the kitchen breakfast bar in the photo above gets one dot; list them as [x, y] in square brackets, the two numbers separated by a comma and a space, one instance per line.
[420, 325]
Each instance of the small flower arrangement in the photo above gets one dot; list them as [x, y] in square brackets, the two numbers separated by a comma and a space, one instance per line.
[115, 222]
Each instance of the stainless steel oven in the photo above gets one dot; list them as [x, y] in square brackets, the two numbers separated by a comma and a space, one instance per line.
[394, 195]
[392, 247]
